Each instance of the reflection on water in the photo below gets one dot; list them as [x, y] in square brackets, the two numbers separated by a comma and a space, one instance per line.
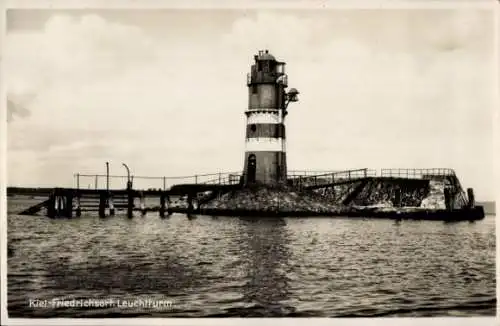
[253, 267]
[264, 253]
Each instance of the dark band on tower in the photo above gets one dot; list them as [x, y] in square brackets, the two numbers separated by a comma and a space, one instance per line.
[265, 150]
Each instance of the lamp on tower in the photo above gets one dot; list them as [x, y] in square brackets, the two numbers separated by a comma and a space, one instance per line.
[291, 96]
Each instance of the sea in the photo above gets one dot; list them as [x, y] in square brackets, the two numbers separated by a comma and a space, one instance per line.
[247, 267]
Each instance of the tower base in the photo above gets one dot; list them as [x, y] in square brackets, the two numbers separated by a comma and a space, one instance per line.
[265, 167]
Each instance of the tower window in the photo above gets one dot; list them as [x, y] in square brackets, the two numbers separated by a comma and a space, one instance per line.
[253, 127]
[254, 89]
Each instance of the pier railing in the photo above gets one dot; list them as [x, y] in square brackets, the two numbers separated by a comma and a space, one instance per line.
[224, 179]
[102, 181]
[417, 173]
[294, 177]
[317, 179]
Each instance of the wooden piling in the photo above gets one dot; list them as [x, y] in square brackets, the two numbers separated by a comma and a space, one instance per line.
[470, 196]
[143, 204]
[51, 206]
[102, 204]
[169, 210]
[111, 206]
[130, 203]
[58, 204]
[130, 199]
[68, 207]
[78, 210]
[190, 203]
[162, 205]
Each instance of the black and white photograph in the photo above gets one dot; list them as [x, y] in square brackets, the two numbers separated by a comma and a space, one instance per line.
[249, 160]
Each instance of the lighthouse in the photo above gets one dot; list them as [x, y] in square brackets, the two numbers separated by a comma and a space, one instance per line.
[268, 99]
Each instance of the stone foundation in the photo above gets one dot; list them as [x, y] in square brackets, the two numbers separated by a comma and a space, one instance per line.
[384, 194]
[266, 198]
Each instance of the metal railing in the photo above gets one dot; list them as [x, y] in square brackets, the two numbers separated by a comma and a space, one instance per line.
[96, 181]
[294, 177]
[330, 178]
[417, 173]
[225, 179]
[336, 174]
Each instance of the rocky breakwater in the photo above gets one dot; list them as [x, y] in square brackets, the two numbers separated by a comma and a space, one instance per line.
[275, 199]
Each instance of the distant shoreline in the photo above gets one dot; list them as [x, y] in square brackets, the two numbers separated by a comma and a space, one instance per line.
[30, 191]
[489, 207]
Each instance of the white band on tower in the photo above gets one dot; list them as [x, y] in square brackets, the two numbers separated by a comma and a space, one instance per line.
[264, 117]
[265, 145]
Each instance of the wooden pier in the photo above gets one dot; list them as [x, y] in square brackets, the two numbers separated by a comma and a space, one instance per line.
[72, 202]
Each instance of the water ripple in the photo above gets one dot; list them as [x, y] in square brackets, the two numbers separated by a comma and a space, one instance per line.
[223, 267]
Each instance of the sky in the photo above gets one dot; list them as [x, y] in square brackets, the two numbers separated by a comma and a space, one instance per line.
[165, 90]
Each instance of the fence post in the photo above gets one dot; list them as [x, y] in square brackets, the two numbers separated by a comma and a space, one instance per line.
[196, 179]
[164, 183]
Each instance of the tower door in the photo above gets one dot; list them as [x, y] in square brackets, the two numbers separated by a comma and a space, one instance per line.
[251, 168]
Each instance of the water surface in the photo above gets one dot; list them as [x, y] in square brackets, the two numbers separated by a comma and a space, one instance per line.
[231, 266]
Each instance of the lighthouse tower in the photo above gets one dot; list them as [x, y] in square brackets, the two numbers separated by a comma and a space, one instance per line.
[265, 150]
